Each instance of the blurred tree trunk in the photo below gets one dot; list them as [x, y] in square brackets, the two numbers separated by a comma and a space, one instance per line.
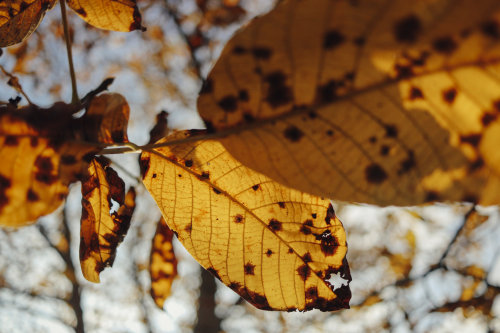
[208, 322]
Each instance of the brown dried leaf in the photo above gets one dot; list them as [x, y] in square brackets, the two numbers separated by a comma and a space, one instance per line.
[19, 18]
[102, 232]
[114, 15]
[276, 247]
[40, 158]
[163, 263]
[382, 102]
[106, 119]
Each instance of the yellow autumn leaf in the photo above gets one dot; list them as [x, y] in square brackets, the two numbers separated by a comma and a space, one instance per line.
[19, 18]
[102, 232]
[106, 119]
[388, 103]
[163, 263]
[114, 15]
[278, 248]
[40, 158]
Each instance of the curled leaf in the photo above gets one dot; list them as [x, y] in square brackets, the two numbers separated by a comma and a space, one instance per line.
[163, 263]
[106, 119]
[276, 247]
[101, 231]
[19, 18]
[388, 103]
[114, 15]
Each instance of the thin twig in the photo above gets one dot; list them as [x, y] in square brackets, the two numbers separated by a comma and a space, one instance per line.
[74, 96]
[14, 83]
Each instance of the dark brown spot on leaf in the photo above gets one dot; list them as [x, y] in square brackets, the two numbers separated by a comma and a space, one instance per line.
[205, 175]
[33, 141]
[243, 95]
[477, 164]
[238, 218]
[214, 272]
[238, 49]
[32, 196]
[472, 139]
[255, 187]
[488, 118]
[332, 39]
[293, 133]
[216, 191]
[304, 272]
[11, 140]
[188, 163]
[305, 230]
[81, 12]
[449, 95]
[384, 150]
[407, 164]
[328, 91]
[269, 252]
[228, 103]
[391, 131]
[290, 250]
[249, 268]
[330, 214]
[403, 71]
[144, 165]
[416, 93]
[329, 243]
[444, 45]
[68, 159]
[375, 174]
[314, 215]
[263, 53]
[407, 29]
[281, 204]
[307, 257]
[278, 93]
[154, 175]
[312, 293]
[359, 41]
[491, 29]
[431, 196]
[275, 225]
[5, 183]
[496, 105]
[372, 139]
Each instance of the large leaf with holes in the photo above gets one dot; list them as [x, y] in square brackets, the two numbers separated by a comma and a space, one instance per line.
[102, 231]
[382, 102]
[278, 248]
[19, 18]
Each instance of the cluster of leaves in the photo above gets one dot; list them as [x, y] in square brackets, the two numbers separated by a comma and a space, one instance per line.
[349, 106]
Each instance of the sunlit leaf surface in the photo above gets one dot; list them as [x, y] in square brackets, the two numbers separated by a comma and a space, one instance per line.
[39, 160]
[276, 247]
[19, 18]
[384, 102]
[163, 263]
[114, 15]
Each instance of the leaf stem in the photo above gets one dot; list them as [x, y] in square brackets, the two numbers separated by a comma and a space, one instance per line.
[74, 96]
